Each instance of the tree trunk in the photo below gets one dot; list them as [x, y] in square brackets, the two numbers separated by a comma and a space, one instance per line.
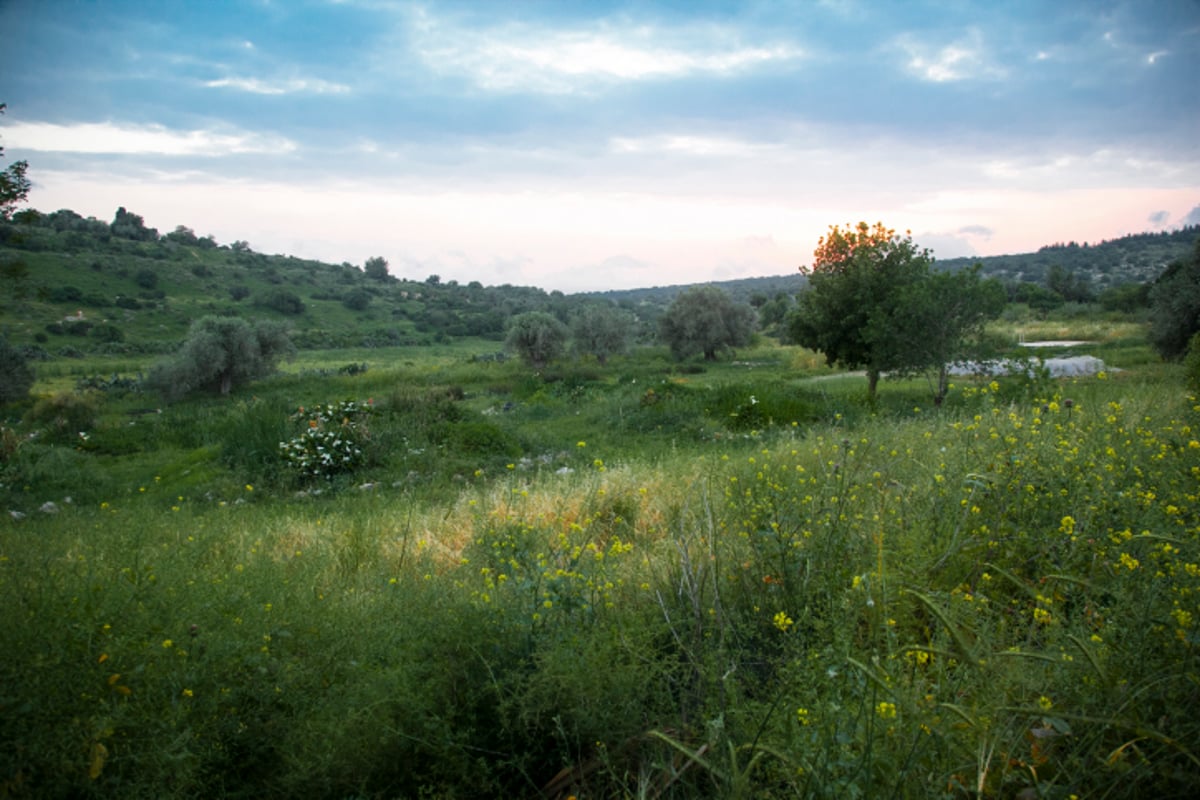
[872, 383]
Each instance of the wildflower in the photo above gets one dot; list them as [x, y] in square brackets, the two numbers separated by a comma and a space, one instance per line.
[168, 644]
[188, 693]
[783, 622]
[1044, 703]
[802, 716]
[886, 710]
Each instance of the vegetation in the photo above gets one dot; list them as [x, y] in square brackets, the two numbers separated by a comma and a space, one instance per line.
[14, 185]
[16, 375]
[705, 320]
[602, 331]
[402, 566]
[221, 353]
[875, 303]
[1175, 298]
[537, 338]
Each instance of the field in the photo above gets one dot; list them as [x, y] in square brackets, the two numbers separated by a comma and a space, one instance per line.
[648, 579]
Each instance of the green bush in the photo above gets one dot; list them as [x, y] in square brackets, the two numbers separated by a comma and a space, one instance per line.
[64, 417]
[16, 375]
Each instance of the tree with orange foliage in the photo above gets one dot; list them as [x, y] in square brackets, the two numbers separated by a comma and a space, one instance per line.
[836, 249]
[874, 303]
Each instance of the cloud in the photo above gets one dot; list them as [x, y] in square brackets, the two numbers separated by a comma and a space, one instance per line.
[1192, 218]
[963, 59]
[1159, 218]
[982, 231]
[686, 145]
[526, 57]
[113, 139]
[277, 87]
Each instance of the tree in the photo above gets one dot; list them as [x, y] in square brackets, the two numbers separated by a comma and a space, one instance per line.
[16, 376]
[221, 353]
[14, 186]
[705, 319]
[1175, 303]
[376, 268]
[602, 331]
[849, 310]
[942, 320]
[875, 303]
[537, 338]
[128, 225]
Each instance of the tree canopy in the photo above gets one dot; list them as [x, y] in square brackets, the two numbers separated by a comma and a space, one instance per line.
[537, 338]
[875, 303]
[602, 331]
[1175, 299]
[705, 319]
[14, 185]
[221, 353]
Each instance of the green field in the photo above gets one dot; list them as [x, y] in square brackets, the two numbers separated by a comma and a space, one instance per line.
[650, 579]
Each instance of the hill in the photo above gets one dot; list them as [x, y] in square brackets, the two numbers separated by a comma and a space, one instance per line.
[75, 285]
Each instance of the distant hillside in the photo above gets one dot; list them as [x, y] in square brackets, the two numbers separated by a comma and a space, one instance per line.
[71, 285]
[1135, 258]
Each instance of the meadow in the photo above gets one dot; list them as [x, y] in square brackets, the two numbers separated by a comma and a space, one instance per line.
[459, 579]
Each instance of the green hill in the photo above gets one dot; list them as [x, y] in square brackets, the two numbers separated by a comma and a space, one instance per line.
[75, 285]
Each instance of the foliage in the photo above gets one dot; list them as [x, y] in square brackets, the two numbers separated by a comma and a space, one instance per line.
[602, 331]
[331, 442]
[994, 601]
[376, 268]
[537, 338]
[875, 302]
[705, 320]
[14, 185]
[64, 418]
[16, 375]
[283, 301]
[1191, 364]
[852, 311]
[221, 353]
[1175, 302]
[942, 320]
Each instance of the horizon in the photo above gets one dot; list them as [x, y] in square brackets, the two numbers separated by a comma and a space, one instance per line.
[608, 145]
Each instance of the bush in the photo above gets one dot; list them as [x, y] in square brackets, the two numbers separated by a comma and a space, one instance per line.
[283, 301]
[332, 441]
[1191, 364]
[16, 376]
[64, 417]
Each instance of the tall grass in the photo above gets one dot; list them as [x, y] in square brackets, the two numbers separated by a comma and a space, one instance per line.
[996, 600]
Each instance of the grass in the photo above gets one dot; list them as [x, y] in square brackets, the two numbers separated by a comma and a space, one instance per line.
[637, 581]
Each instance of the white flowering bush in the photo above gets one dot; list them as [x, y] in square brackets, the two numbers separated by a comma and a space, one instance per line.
[332, 442]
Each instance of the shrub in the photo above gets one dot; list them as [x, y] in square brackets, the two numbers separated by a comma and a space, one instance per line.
[16, 376]
[283, 301]
[1191, 364]
[64, 417]
[332, 441]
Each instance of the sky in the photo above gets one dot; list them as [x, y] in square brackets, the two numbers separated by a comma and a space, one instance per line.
[581, 146]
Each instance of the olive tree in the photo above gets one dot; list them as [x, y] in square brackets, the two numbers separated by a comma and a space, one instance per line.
[537, 338]
[221, 353]
[602, 331]
[705, 319]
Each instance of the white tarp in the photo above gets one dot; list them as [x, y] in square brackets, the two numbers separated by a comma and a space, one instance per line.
[1064, 367]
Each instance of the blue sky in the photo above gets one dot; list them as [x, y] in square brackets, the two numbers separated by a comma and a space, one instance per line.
[595, 145]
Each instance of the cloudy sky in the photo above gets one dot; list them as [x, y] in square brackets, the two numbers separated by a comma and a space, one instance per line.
[592, 145]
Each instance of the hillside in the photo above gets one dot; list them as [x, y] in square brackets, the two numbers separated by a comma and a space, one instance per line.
[75, 285]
